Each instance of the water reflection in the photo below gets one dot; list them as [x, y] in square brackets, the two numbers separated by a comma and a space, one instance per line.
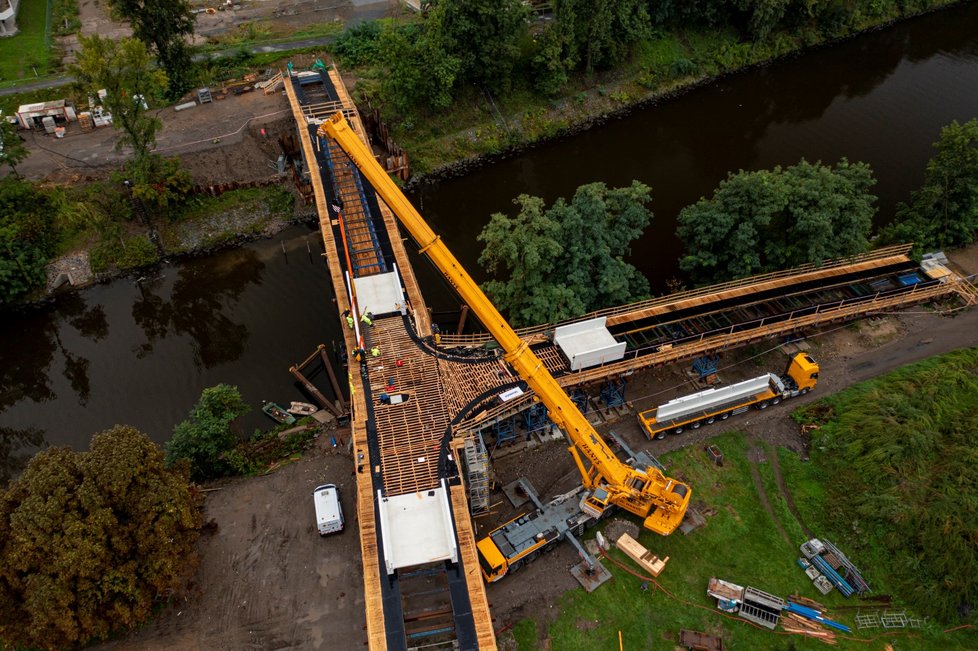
[25, 372]
[16, 448]
[199, 305]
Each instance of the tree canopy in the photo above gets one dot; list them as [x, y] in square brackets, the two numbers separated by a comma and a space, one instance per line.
[90, 542]
[125, 70]
[164, 26]
[566, 260]
[484, 35]
[775, 219]
[206, 436]
[944, 211]
[26, 238]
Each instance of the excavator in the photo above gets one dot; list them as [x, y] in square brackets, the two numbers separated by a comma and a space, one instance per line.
[607, 480]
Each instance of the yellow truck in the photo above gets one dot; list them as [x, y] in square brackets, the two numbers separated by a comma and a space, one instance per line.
[707, 407]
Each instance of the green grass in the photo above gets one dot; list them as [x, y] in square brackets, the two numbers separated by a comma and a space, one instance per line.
[263, 33]
[898, 455]
[525, 634]
[740, 543]
[31, 46]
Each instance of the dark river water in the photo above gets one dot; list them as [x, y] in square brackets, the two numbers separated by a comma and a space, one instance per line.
[139, 353]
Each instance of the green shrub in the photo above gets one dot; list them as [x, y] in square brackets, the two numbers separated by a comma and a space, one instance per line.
[123, 254]
[206, 439]
[683, 67]
[359, 44]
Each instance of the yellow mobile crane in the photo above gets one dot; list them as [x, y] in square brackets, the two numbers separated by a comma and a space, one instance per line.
[648, 493]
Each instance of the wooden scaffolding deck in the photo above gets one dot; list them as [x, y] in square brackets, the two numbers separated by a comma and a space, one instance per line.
[410, 432]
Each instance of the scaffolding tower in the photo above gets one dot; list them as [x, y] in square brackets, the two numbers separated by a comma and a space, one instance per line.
[477, 472]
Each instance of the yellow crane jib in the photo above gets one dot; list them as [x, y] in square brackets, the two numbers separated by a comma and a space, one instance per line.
[661, 501]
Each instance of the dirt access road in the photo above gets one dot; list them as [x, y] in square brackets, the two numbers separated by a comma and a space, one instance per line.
[217, 142]
[267, 581]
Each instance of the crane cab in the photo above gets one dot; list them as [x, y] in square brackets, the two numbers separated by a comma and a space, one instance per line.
[803, 371]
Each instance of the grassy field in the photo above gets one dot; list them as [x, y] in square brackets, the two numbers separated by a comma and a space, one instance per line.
[740, 543]
[31, 46]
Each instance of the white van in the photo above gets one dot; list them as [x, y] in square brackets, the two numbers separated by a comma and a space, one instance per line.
[329, 511]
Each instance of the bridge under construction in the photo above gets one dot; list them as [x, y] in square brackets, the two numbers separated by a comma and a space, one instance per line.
[417, 397]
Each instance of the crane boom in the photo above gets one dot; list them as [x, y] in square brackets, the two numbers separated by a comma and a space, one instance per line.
[661, 501]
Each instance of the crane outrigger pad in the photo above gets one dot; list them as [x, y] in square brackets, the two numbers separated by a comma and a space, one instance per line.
[590, 576]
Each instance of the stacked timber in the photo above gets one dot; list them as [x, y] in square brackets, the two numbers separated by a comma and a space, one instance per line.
[643, 557]
[793, 623]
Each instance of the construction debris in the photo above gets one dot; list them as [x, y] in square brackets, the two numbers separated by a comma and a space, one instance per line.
[729, 596]
[833, 564]
[815, 616]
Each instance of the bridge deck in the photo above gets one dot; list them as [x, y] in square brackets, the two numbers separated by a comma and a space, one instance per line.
[397, 447]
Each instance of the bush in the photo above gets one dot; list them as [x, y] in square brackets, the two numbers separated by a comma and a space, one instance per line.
[122, 254]
[206, 436]
[683, 67]
[359, 44]
[26, 238]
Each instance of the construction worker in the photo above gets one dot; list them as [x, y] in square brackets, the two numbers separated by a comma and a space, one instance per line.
[349, 318]
[367, 318]
[436, 334]
[375, 352]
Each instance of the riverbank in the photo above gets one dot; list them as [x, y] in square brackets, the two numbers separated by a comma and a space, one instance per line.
[480, 130]
[214, 224]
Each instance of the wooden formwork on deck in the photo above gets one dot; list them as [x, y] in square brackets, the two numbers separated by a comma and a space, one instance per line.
[410, 433]
[373, 601]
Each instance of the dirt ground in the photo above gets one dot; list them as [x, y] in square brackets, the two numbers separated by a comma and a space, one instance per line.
[279, 14]
[217, 142]
[266, 579]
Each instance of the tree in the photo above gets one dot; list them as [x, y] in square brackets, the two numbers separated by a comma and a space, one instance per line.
[203, 438]
[126, 72]
[566, 260]
[765, 15]
[26, 238]
[485, 36]
[12, 148]
[164, 25]
[944, 211]
[601, 34]
[775, 219]
[420, 72]
[90, 542]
